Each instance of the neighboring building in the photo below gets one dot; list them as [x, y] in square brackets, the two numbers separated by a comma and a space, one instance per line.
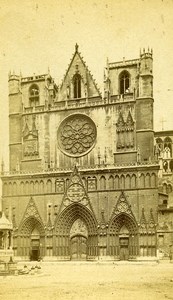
[83, 180]
[164, 153]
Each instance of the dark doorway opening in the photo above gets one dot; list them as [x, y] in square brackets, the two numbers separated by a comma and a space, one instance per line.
[35, 254]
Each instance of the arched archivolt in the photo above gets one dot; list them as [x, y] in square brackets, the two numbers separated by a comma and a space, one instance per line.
[31, 237]
[69, 215]
[29, 224]
[123, 219]
[63, 225]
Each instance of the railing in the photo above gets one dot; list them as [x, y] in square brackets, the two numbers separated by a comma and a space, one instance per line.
[78, 103]
[124, 63]
[82, 168]
[30, 78]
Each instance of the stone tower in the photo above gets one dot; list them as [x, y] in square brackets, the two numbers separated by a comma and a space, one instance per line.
[144, 106]
[15, 120]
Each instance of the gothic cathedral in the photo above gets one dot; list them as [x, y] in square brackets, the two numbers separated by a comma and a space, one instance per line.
[83, 180]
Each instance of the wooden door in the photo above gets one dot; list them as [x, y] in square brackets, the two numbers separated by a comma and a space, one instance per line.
[78, 247]
[124, 248]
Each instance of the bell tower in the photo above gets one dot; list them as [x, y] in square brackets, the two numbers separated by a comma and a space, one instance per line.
[144, 106]
[15, 115]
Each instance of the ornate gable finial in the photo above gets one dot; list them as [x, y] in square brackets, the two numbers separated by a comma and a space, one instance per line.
[76, 47]
[151, 222]
[122, 206]
[75, 192]
[31, 211]
[143, 222]
[129, 121]
[120, 121]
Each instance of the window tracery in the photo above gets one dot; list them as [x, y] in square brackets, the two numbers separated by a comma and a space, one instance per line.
[76, 135]
[125, 132]
[77, 86]
[124, 82]
[168, 144]
[34, 95]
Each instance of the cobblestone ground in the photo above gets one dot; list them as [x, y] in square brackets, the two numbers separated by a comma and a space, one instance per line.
[96, 281]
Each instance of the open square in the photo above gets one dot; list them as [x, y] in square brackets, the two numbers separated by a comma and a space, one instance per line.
[77, 280]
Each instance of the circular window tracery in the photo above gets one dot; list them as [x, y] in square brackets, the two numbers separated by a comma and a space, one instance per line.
[76, 135]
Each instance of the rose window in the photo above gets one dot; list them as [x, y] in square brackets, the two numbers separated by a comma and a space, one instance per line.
[76, 135]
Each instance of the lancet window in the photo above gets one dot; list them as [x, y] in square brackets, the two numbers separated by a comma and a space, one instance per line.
[124, 82]
[77, 86]
[34, 95]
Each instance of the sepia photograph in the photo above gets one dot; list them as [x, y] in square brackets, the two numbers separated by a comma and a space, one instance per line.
[86, 149]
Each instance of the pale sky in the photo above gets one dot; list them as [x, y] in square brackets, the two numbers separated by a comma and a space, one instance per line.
[35, 35]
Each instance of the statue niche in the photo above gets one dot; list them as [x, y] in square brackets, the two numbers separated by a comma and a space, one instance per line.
[30, 140]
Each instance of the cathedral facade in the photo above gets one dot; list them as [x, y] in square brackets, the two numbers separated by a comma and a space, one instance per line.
[83, 180]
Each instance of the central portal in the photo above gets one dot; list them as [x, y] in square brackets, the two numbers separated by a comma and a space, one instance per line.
[78, 240]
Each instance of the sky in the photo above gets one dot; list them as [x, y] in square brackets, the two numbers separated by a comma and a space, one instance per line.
[37, 35]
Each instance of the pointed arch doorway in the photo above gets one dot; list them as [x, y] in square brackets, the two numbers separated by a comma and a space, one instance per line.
[78, 240]
[76, 234]
[31, 239]
[123, 237]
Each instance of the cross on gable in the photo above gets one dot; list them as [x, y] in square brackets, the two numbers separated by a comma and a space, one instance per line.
[162, 122]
